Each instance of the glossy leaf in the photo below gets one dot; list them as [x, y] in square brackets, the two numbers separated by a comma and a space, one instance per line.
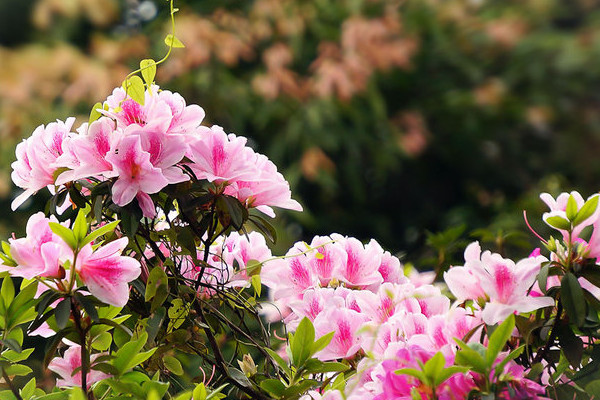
[573, 299]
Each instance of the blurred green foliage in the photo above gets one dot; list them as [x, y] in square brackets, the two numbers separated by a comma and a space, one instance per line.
[390, 119]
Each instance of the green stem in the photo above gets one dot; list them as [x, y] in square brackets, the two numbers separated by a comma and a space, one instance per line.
[172, 11]
[85, 360]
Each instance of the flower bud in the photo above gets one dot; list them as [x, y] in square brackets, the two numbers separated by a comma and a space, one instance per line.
[247, 365]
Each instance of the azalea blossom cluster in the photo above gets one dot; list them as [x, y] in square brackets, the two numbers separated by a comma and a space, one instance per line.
[142, 148]
[387, 321]
[45, 256]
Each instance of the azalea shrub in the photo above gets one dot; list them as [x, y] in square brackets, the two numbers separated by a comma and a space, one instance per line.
[149, 275]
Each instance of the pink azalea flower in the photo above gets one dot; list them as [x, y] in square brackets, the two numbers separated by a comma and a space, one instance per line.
[345, 323]
[70, 361]
[34, 168]
[291, 276]
[107, 273]
[312, 303]
[521, 387]
[265, 189]
[503, 283]
[165, 151]
[391, 269]
[154, 114]
[331, 258]
[137, 176]
[362, 265]
[219, 157]
[185, 119]
[461, 281]
[85, 154]
[40, 253]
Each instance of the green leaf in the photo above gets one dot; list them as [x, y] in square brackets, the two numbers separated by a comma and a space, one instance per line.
[253, 267]
[199, 392]
[239, 377]
[54, 396]
[172, 41]
[433, 367]
[62, 312]
[64, 233]
[294, 391]
[134, 87]
[302, 344]
[102, 341]
[77, 394]
[89, 307]
[94, 113]
[157, 278]
[80, 226]
[573, 299]
[28, 389]
[322, 342]
[173, 365]
[177, 314]
[498, 339]
[264, 227]
[587, 210]
[593, 389]
[511, 356]
[127, 353]
[148, 67]
[315, 366]
[215, 393]
[14, 356]
[279, 360]
[7, 292]
[571, 209]
[542, 277]
[571, 345]
[256, 284]
[6, 247]
[17, 370]
[110, 227]
[412, 372]
[468, 357]
[273, 386]
[558, 222]
[447, 373]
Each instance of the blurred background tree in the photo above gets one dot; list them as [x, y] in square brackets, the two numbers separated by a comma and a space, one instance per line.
[391, 119]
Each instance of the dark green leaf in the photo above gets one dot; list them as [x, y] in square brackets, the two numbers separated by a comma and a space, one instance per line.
[571, 345]
[264, 227]
[573, 299]
[542, 277]
[499, 338]
[62, 312]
